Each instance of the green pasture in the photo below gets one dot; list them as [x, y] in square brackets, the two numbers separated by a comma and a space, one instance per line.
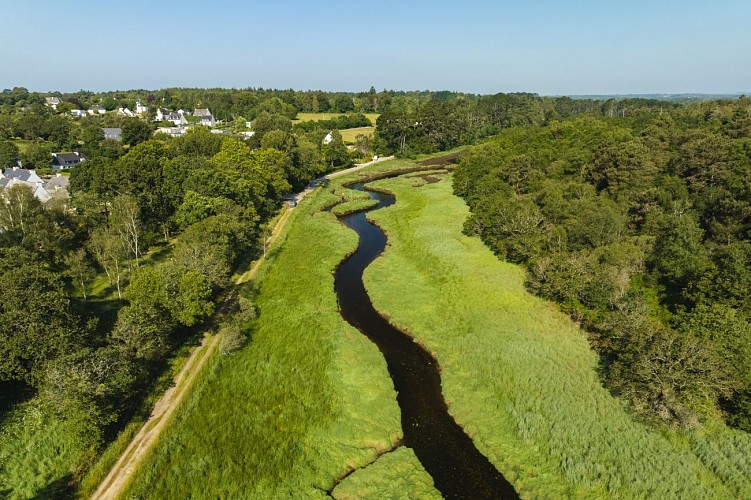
[350, 134]
[314, 117]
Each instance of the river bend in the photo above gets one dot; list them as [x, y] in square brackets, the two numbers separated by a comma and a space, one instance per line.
[458, 469]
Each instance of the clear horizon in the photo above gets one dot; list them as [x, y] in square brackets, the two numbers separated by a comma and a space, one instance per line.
[539, 46]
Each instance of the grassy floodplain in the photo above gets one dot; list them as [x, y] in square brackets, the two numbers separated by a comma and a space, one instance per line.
[305, 402]
[520, 376]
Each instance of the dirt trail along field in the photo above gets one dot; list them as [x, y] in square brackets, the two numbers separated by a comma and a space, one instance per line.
[113, 485]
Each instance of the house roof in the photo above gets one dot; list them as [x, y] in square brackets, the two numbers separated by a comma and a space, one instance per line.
[56, 182]
[113, 133]
[96, 107]
[201, 112]
[20, 174]
[61, 158]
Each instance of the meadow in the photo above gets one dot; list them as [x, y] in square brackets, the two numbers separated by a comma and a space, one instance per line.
[303, 404]
[311, 117]
[349, 135]
[519, 375]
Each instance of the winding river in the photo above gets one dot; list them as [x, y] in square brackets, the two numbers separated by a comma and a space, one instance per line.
[458, 469]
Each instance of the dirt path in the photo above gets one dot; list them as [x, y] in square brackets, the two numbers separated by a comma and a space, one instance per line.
[118, 478]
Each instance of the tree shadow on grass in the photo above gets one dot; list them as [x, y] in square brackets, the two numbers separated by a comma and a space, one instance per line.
[57, 489]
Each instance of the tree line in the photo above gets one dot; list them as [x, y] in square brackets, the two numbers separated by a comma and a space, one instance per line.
[640, 228]
[160, 225]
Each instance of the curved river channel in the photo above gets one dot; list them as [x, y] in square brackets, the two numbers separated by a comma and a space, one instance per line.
[458, 469]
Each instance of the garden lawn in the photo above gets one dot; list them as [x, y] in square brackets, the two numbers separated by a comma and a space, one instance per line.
[520, 377]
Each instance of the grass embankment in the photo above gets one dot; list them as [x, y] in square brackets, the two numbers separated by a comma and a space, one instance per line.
[398, 474]
[349, 207]
[306, 401]
[520, 376]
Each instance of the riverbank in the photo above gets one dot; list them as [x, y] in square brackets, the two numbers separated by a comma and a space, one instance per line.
[304, 404]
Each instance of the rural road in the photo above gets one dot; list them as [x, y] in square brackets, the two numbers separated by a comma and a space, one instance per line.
[113, 485]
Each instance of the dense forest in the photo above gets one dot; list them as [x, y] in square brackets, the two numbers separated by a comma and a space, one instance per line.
[640, 228]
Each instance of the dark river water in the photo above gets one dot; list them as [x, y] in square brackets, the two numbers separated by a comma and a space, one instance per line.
[458, 469]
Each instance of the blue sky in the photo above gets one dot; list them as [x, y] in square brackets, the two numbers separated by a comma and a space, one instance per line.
[543, 46]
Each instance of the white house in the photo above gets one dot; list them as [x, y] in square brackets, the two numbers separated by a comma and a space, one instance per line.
[171, 131]
[177, 118]
[52, 102]
[96, 109]
[328, 138]
[207, 121]
[78, 113]
[140, 108]
[64, 161]
[125, 112]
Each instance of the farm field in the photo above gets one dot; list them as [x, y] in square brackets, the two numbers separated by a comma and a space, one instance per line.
[350, 134]
[309, 117]
[520, 376]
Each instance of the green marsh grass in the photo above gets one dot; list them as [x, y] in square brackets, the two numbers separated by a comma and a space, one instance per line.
[398, 474]
[38, 453]
[520, 377]
[349, 207]
[305, 401]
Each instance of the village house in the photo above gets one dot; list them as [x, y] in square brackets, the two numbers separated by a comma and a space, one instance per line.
[78, 113]
[176, 117]
[114, 134]
[18, 176]
[64, 161]
[171, 131]
[96, 109]
[125, 112]
[52, 102]
[140, 108]
[207, 120]
[57, 186]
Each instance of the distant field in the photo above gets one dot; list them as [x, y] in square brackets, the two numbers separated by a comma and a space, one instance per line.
[24, 144]
[350, 134]
[308, 117]
[519, 375]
